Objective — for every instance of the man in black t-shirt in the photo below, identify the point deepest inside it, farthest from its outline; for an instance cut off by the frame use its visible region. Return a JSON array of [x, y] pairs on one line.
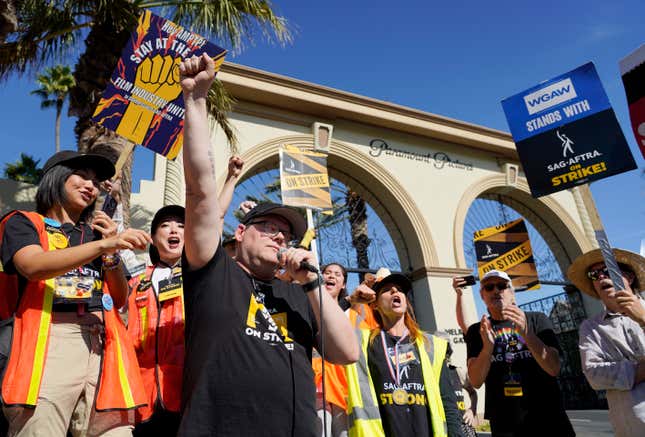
[[517, 355], [249, 336]]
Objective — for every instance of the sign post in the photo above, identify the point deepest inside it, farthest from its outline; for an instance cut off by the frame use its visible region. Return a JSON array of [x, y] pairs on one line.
[[601, 238]]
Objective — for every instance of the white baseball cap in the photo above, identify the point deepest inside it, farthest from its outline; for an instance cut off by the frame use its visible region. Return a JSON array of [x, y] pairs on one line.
[[496, 274]]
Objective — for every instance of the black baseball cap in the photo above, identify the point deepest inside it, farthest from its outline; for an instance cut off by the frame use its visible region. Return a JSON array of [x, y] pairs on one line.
[[165, 212], [291, 215], [101, 165]]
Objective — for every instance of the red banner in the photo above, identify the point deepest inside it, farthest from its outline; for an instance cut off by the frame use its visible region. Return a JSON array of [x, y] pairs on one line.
[[632, 70]]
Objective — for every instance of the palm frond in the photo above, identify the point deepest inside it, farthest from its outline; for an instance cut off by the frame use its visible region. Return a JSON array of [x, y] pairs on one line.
[[219, 104], [232, 22]]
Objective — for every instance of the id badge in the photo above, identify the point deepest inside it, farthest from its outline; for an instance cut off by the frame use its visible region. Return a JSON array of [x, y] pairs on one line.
[[170, 288], [73, 288], [141, 296], [513, 385]]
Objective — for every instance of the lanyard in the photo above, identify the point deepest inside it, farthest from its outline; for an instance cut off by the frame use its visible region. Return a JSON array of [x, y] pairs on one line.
[[273, 327], [396, 376]]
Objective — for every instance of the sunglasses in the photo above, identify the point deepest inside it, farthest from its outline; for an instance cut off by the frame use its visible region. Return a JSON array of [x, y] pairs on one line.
[[596, 274], [500, 286]]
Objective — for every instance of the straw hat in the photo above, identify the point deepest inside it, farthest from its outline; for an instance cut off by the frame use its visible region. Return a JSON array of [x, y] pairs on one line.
[[577, 272]]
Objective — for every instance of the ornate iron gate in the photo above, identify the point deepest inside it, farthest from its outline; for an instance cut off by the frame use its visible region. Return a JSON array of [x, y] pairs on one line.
[[566, 312]]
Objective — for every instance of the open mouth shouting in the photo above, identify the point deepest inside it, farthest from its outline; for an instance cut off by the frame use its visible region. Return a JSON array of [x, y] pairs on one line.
[[174, 243], [330, 283], [397, 301]]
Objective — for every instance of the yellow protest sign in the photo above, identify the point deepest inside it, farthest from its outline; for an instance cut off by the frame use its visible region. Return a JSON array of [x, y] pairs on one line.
[[507, 248], [304, 179]]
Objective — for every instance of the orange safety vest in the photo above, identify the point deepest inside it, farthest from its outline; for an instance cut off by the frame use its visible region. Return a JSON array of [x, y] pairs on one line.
[[8, 283], [120, 384], [156, 327], [360, 317], [335, 381]]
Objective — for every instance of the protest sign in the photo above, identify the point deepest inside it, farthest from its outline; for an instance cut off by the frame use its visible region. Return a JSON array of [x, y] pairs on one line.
[[507, 248], [143, 100], [632, 70], [304, 179], [566, 133]]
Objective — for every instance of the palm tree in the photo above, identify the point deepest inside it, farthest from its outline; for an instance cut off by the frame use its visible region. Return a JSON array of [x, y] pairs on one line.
[[50, 30], [357, 211], [54, 88], [24, 169]]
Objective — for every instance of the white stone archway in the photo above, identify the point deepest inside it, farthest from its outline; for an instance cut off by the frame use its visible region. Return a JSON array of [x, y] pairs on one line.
[[418, 170]]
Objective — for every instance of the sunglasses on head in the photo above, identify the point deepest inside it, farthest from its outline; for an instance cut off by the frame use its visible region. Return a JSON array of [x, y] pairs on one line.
[[501, 286]]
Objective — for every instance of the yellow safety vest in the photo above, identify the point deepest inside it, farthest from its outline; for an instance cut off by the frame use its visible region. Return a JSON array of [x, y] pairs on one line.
[[362, 406]]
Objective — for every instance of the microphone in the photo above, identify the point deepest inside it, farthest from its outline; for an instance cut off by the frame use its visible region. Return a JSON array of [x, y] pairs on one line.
[[304, 265]]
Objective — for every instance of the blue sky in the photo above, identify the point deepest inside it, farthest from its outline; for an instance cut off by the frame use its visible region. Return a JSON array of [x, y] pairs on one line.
[[458, 60]]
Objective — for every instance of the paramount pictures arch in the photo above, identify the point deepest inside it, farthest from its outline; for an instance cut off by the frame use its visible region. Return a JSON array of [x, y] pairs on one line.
[[419, 171]]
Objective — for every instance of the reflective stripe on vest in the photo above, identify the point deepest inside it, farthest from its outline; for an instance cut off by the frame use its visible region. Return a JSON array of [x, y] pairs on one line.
[[120, 385], [432, 360], [156, 329], [41, 343], [364, 419]]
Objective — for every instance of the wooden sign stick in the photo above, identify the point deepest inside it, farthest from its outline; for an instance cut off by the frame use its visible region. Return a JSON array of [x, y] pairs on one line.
[[601, 238]]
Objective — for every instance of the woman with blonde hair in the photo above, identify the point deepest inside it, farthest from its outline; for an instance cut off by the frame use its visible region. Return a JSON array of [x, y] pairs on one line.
[[403, 370]]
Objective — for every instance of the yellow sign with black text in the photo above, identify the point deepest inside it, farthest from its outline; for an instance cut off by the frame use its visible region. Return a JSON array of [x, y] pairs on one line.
[[507, 248], [304, 179]]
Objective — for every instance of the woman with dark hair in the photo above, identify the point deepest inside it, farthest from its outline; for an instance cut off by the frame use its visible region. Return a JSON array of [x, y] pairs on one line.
[[156, 325], [355, 307], [71, 365], [335, 283], [399, 386]]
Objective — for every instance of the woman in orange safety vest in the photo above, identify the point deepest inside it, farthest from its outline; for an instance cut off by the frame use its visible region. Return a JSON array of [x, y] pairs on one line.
[[156, 325], [335, 283], [71, 366]]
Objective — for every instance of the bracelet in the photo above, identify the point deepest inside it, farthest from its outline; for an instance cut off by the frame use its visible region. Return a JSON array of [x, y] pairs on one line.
[[310, 286], [111, 262]]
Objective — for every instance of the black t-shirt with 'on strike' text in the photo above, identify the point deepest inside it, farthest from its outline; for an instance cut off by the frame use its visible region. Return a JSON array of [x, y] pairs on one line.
[[239, 378]]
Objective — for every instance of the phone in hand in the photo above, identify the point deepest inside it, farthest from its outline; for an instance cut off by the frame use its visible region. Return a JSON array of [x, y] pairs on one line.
[[469, 280], [109, 205]]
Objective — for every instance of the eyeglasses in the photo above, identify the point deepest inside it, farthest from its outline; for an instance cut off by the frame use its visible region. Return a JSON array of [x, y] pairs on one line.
[[501, 286], [272, 230], [595, 274]]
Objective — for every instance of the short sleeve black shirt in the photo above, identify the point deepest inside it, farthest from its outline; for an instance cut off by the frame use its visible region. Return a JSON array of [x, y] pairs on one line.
[[412, 418], [239, 378], [539, 411], [20, 232]]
